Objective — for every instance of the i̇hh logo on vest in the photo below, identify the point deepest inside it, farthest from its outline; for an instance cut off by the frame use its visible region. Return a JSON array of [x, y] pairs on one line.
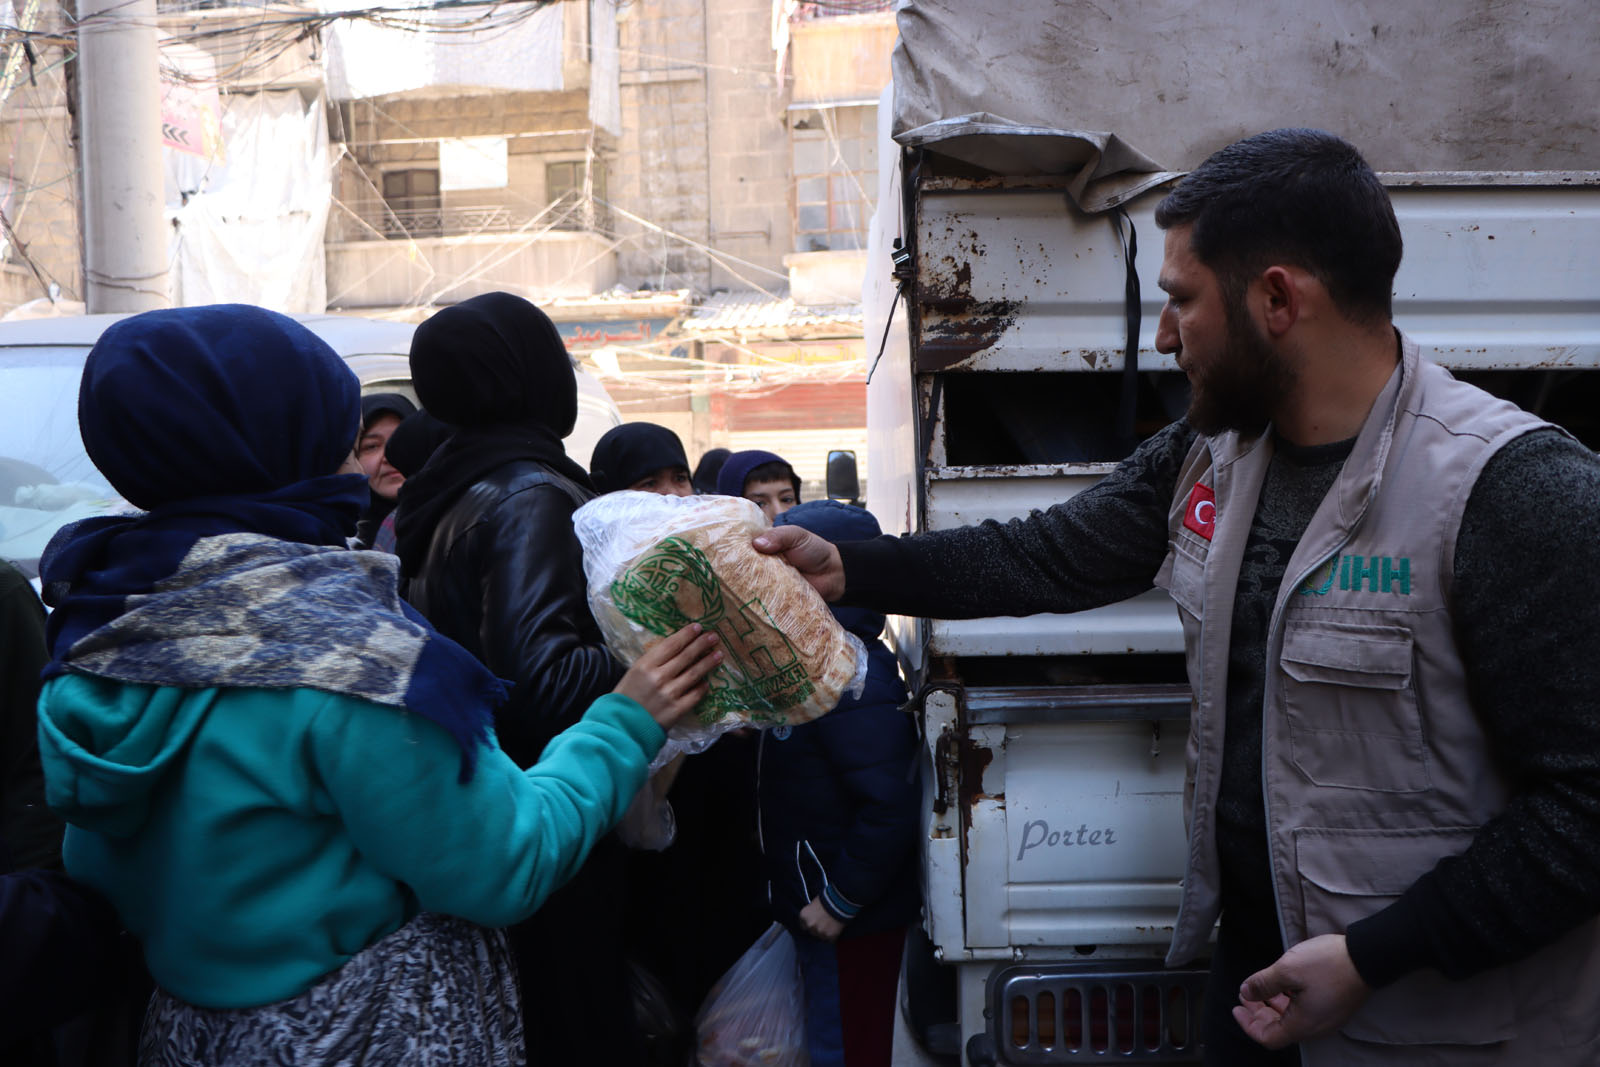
[[1378, 574]]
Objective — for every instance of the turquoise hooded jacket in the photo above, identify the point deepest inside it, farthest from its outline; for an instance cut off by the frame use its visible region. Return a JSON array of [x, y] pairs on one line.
[[255, 839]]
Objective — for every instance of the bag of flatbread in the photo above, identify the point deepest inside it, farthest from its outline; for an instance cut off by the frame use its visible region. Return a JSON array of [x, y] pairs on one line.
[[655, 563]]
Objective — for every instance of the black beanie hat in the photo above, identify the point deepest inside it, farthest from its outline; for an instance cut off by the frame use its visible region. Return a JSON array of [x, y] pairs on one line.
[[495, 359]]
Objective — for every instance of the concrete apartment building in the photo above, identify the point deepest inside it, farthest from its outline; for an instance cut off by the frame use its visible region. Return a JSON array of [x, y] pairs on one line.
[[689, 202], [454, 178], [749, 130], [683, 184]]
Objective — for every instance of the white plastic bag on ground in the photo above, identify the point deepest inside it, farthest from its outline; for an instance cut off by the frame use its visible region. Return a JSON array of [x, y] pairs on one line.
[[656, 563], [754, 1016]]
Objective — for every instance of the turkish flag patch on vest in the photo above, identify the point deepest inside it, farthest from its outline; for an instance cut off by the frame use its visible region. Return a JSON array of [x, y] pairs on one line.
[[1201, 514]]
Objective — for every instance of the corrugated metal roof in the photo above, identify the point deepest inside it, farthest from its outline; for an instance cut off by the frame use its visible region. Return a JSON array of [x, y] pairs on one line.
[[647, 302], [749, 315]]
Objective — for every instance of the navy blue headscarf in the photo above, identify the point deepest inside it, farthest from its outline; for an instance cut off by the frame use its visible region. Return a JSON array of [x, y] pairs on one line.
[[737, 467], [232, 420]]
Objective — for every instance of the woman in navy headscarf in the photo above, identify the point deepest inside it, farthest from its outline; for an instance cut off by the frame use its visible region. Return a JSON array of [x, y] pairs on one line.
[[281, 777]]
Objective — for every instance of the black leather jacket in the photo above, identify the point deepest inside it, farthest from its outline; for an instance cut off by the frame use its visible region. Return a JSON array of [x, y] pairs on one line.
[[504, 578]]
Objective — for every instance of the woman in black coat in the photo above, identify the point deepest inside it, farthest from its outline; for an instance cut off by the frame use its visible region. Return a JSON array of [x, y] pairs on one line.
[[484, 534]]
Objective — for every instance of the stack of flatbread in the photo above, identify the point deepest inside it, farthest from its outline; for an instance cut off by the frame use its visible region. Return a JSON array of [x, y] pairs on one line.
[[656, 563]]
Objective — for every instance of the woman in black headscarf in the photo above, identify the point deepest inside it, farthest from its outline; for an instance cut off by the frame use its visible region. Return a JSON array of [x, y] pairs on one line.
[[484, 530], [485, 535], [414, 441], [642, 456], [706, 471]]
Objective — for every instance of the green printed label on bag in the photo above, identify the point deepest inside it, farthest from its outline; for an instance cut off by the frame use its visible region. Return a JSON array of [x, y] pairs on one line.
[[673, 585], [653, 591]]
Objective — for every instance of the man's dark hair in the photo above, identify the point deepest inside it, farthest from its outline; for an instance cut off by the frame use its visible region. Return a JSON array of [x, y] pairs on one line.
[[778, 471], [1300, 197]]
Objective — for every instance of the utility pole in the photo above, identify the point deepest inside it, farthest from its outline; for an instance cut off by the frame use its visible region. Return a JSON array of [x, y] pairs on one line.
[[125, 237]]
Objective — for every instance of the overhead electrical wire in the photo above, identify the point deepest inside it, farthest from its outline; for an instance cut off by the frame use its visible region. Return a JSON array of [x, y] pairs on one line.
[[292, 27], [276, 30]]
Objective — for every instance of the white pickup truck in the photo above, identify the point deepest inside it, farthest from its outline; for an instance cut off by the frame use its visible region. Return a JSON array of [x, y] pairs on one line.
[[1017, 367]]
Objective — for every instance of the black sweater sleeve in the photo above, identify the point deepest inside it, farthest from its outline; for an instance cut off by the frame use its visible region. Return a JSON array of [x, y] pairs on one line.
[[1103, 545], [1527, 611]]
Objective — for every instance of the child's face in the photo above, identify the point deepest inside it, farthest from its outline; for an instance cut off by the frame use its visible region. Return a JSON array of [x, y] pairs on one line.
[[773, 498], [668, 481]]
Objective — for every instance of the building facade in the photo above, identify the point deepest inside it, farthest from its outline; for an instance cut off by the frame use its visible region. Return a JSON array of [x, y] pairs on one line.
[[684, 184]]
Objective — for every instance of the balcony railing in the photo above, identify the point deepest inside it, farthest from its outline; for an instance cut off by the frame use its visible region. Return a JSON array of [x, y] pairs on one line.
[[811, 10], [371, 219], [445, 221]]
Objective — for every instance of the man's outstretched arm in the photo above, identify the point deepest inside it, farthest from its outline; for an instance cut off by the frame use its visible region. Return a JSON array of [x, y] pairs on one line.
[[1101, 546]]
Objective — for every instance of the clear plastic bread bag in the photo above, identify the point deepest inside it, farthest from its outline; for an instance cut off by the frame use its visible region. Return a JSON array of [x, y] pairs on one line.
[[656, 563], [754, 1016]]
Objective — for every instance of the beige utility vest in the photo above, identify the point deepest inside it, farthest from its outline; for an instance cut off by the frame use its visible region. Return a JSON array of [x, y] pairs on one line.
[[1374, 766]]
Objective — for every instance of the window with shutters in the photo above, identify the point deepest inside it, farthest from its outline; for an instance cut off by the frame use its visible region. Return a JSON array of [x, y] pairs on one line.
[[834, 173], [564, 188], [411, 198]]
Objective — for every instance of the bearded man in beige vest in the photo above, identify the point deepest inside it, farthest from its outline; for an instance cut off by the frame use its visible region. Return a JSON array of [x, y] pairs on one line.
[[1394, 758]]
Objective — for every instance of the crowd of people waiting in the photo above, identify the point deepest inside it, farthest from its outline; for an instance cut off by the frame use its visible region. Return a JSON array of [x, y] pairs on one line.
[[325, 806]]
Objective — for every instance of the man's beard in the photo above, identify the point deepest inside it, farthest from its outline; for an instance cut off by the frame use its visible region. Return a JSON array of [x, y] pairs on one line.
[[1240, 389]]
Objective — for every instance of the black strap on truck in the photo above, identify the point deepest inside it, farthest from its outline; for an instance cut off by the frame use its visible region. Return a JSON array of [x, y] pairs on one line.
[[1128, 406]]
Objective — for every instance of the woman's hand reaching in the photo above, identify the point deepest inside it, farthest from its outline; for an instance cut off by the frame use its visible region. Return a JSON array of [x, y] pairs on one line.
[[670, 678]]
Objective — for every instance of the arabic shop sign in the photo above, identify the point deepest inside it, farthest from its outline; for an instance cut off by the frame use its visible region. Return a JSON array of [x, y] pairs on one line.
[[190, 104], [581, 336]]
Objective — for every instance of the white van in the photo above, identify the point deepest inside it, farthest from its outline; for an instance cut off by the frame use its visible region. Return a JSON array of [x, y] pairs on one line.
[[46, 479]]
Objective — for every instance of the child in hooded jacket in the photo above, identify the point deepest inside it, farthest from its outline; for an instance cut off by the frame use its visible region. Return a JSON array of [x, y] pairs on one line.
[[839, 800]]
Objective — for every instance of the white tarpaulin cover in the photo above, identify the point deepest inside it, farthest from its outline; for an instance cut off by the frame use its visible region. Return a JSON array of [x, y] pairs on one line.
[[363, 59], [473, 163], [1416, 85], [249, 225], [1105, 172]]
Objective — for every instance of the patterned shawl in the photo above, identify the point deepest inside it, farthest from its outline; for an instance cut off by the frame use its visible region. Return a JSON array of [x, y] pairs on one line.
[[224, 422]]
